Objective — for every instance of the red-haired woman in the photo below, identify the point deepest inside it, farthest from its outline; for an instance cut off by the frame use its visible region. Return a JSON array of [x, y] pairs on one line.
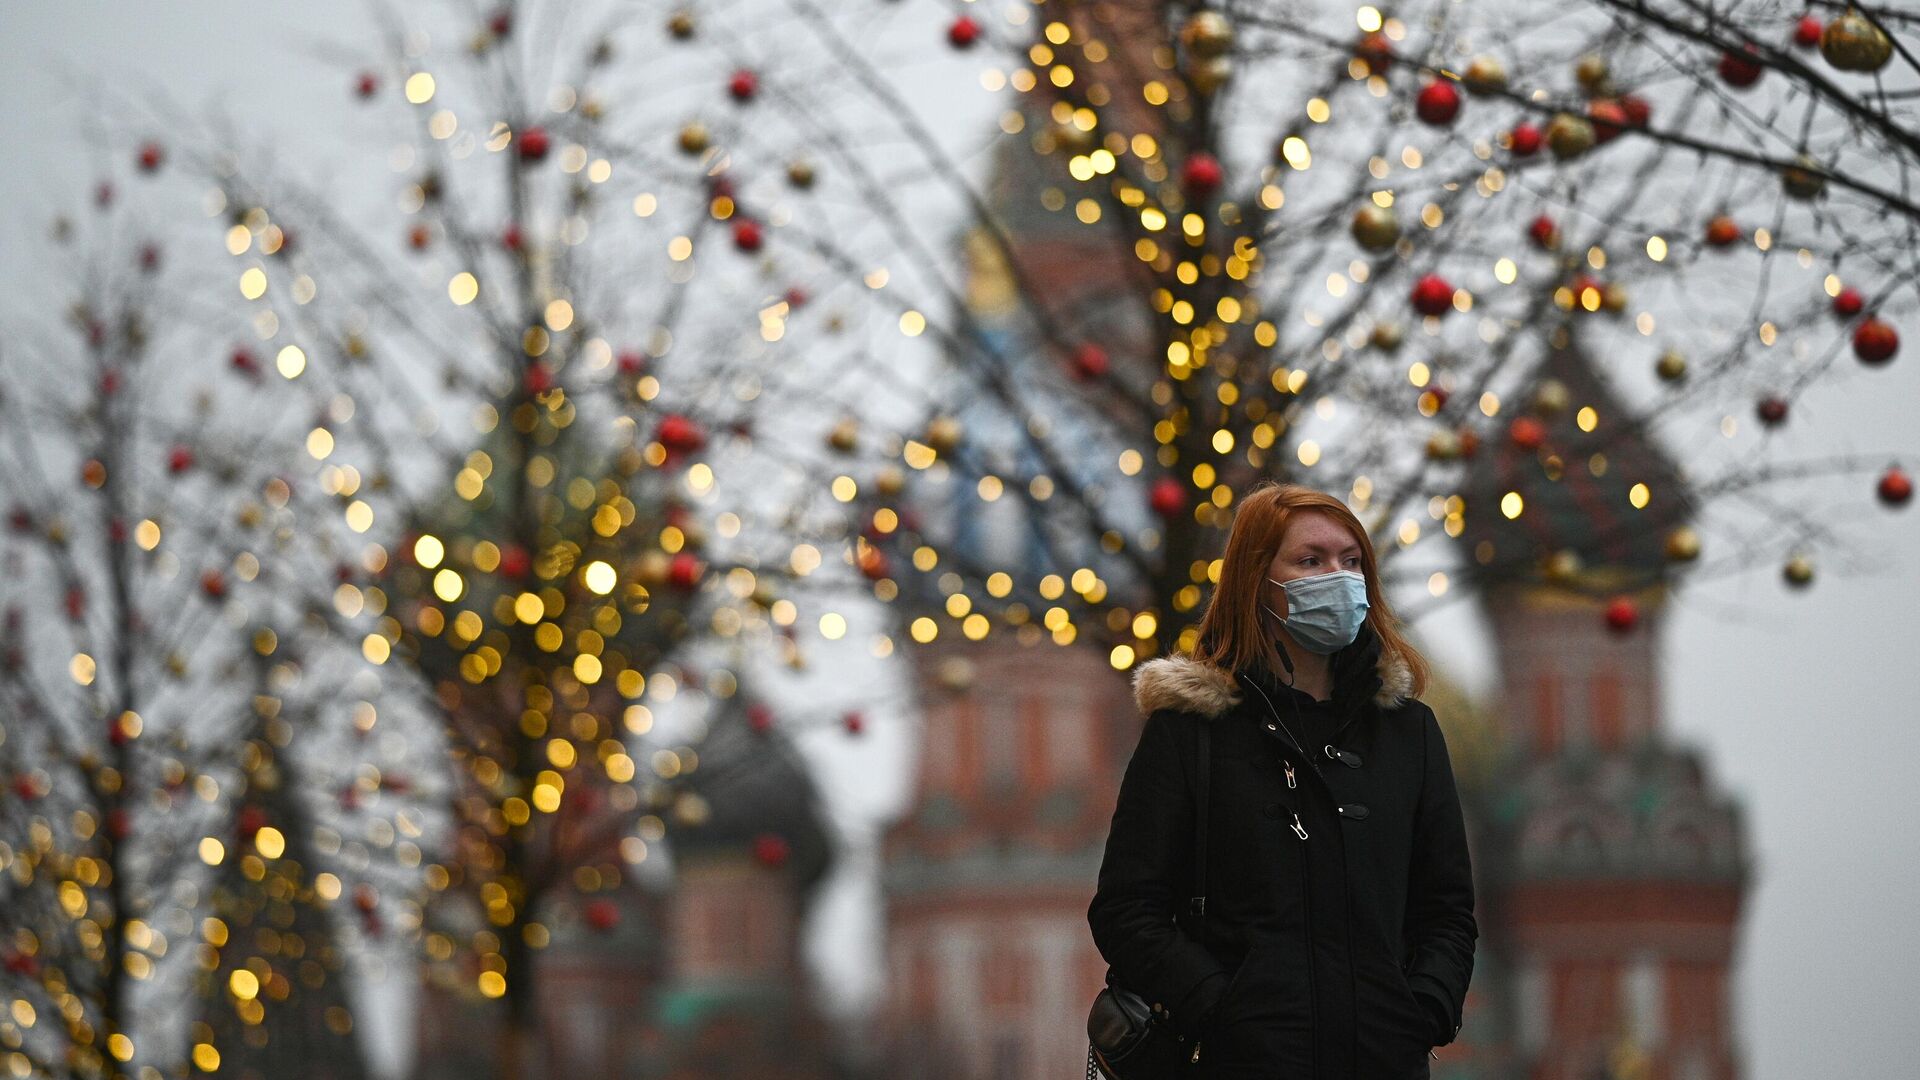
[[1338, 930]]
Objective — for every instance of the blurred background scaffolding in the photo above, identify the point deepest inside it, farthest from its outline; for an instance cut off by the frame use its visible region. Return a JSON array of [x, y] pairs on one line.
[[608, 539]]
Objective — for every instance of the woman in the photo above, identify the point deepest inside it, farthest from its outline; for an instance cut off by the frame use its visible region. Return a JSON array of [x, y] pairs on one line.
[[1338, 932]]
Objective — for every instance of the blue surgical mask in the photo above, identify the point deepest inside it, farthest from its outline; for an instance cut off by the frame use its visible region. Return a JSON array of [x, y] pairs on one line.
[[1324, 611]]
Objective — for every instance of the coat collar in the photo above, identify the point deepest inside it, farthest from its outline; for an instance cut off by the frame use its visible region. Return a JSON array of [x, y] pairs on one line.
[[1184, 684]]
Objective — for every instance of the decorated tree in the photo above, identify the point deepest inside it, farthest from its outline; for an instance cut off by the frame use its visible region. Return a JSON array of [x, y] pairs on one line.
[[1216, 244], [153, 540], [542, 435]]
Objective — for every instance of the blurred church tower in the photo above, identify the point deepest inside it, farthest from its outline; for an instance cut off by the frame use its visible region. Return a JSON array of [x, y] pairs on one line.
[[1613, 871]]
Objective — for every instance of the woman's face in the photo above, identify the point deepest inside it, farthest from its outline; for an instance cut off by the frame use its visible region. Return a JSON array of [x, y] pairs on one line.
[[1314, 544]]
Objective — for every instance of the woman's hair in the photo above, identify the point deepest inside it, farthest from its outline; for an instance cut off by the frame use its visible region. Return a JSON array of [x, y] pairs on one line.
[[1231, 635]]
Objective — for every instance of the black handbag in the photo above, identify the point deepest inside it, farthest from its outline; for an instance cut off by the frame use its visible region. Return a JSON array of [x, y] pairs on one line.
[[1127, 1038]]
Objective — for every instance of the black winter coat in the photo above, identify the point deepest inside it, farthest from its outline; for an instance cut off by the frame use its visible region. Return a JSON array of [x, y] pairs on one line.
[[1341, 956]]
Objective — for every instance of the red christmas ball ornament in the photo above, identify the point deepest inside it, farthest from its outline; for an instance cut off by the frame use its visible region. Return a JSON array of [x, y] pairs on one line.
[[747, 235], [854, 722], [1169, 496], [1848, 303], [534, 144], [149, 257], [679, 434], [251, 820], [512, 238], [103, 194], [963, 32], [1609, 118], [19, 963], [1772, 411], [1524, 140], [1741, 69], [632, 362], [366, 85], [1621, 615], [743, 85], [1722, 232], [1089, 362], [1438, 103], [796, 297], [1638, 110], [1527, 433], [1806, 32], [1544, 232], [119, 731], [770, 849], [26, 787], [514, 561], [213, 584], [419, 237], [602, 914], [119, 824], [684, 572], [150, 156], [1202, 175], [539, 378], [76, 603], [1895, 487], [179, 459], [1377, 50], [1875, 341], [873, 563], [760, 717], [501, 24], [1432, 295], [365, 897], [244, 362]]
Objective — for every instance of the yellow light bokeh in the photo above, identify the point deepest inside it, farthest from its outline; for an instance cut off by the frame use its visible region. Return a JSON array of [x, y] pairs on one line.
[[598, 576]]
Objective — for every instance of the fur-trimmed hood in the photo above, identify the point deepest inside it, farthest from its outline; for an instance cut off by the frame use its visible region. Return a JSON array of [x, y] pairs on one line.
[[1189, 685]]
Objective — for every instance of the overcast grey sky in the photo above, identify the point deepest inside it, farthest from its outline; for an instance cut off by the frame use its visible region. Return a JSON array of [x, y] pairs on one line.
[[1805, 701]]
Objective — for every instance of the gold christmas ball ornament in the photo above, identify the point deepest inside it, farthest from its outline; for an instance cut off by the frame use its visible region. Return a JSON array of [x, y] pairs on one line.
[[1387, 336], [652, 568], [1375, 228], [1853, 42], [693, 138], [943, 434], [1563, 566], [844, 436], [1068, 136], [1613, 297], [1552, 398], [680, 25], [800, 174], [592, 108], [890, 481], [1804, 179], [1485, 73], [1443, 446], [1683, 544], [1798, 571], [956, 673], [1672, 366], [1593, 73], [1207, 34], [1209, 75], [1569, 135]]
